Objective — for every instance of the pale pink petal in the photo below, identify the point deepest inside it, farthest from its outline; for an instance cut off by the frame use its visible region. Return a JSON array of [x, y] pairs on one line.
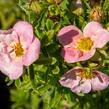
[[87, 55], [70, 78], [32, 53], [96, 32], [5, 36], [15, 37], [12, 69], [83, 87], [67, 34], [100, 81], [101, 38], [72, 55], [8, 39], [6, 31], [91, 29], [2, 36], [25, 32]]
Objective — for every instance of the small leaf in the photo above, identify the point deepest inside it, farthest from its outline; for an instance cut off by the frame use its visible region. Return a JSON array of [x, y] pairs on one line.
[[56, 70], [49, 24], [55, 99], [64, 5], [18, 83], [43, 88], [54, 10]]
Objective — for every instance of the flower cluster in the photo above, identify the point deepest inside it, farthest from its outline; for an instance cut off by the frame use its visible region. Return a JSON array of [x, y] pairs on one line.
[[81, 46], [18, 47]]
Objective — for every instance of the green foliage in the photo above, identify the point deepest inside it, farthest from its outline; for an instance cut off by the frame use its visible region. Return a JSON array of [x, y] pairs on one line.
[[9, 13], [106, 5], [38, 88]]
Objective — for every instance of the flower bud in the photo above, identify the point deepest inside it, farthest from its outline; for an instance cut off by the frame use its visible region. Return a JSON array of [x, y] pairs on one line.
[[78, 6], [96, 14]]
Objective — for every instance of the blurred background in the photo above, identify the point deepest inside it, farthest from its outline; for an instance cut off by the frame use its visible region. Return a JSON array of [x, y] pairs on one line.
[[9, 13]]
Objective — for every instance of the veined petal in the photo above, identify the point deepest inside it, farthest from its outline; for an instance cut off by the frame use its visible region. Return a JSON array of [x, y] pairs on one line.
[[100, 81], [91, 29], [96, 32], [101, 38], [6, 36], [87, 55], [72, 55], [32, 53], [12, 69], [24, 31], [83, 87], [70, 78], [66, 34]]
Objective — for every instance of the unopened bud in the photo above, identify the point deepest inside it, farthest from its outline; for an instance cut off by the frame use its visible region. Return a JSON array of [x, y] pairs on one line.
[[96, 14], [78, 6]]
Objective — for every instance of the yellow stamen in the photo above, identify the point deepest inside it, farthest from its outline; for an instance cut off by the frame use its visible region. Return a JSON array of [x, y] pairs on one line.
[[19, 51], [84, 44], [86, 75]]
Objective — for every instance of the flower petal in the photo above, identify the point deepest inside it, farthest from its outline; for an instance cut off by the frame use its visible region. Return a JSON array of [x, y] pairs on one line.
[[83, 87], [100, 82], [12, 69], [32, 53], [72, 55], [6, 36], [25, 32], [67, 34], [87, 55], [91, 29], [96, 32], [101, 38], [70, 79]]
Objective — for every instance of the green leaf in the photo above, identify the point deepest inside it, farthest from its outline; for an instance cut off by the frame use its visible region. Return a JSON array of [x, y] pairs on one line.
[[48, 39], [64, 5], [18, 83], [57, 26], [35, 6], [55, 99], [53, 10], [50, 34], [46, 61], [24, 5], [39, 32], [49, 24], [43, 88], [56, 70]]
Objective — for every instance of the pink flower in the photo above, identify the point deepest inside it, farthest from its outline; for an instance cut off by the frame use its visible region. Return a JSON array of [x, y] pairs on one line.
[[80, 81], [18, 47], [78, 46]]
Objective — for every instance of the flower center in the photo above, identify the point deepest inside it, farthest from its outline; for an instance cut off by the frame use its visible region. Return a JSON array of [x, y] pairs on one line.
[[19, 51], [84, 44], [86, 75]]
